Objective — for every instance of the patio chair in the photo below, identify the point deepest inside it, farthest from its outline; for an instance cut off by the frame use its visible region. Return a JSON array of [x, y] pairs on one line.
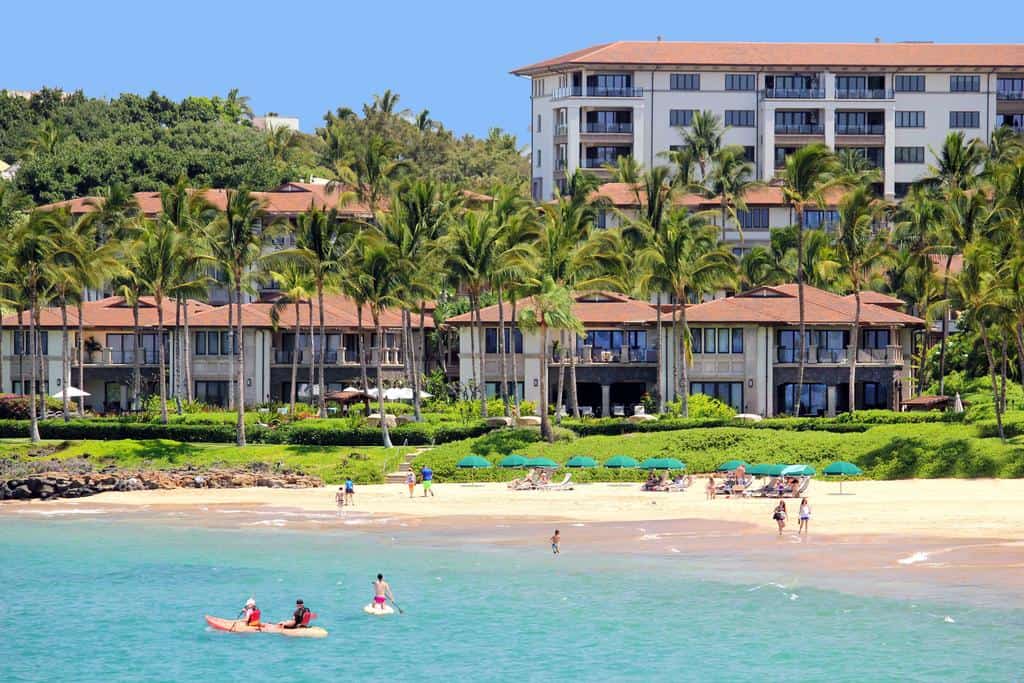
[[587, 411], [563, 485], [639, 409], [619, 410]]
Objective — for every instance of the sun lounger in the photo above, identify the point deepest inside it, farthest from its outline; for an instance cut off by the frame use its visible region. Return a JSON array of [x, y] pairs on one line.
[[587, 411], [619, 411], [563, 485]]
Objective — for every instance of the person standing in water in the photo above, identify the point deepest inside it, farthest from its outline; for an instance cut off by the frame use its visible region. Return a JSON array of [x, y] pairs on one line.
[[410, 480], [780, 515], [555, 541], [805, 516], [381, 592]]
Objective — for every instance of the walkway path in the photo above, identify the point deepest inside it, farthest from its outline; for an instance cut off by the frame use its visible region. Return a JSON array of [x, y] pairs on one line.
[[406, 465]]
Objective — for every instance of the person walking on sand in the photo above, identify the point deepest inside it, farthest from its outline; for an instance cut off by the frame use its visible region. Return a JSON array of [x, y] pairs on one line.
[[427, 475], [555, 540], [381, 592], [710, 489], [350, 491], [780, 515], [805, 516], [410, 481]]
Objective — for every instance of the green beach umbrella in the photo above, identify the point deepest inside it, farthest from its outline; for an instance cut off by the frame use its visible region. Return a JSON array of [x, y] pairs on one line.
[[798, 471], [473, 462], [766, 470], [513, 460], [620, 462], [842, 468], [662, 464], [733, 465], [581, 461], [541, 461]]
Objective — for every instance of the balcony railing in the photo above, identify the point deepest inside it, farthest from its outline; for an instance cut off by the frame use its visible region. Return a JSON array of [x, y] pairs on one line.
[[1010, 94], [561, 130], [799, 129], [861, 129], [794, 93], [609, 356], [562, 93], [560, 164], [890, 355], [864, 94], [825, 355], [602, 127], [598, 164]]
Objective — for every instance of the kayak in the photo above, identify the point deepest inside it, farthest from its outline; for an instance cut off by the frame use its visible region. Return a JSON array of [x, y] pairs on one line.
[[239, 626], [378, 611]]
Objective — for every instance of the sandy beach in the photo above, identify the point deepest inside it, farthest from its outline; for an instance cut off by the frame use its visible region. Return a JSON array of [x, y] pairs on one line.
[[937, 508]]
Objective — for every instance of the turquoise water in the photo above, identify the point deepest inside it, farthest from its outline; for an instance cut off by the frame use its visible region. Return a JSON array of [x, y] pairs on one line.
[[110, 600]]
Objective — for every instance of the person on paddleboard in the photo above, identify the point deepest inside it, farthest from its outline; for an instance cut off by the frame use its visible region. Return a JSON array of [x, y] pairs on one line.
[[300, 618], [251, 613], [381, 592]]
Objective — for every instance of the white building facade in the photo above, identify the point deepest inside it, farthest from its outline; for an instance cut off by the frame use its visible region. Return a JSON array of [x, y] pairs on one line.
[[893, 102]]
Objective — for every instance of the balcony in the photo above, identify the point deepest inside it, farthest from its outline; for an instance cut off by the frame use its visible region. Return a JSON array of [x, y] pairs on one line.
[[560, 164], [598, 164], [799, 129], [108, 356], [1010, 95], [608, 127], [861, 129], [590, 356], [794, 93], [889, 355], [561, 130], [563, 93], [864, 94]]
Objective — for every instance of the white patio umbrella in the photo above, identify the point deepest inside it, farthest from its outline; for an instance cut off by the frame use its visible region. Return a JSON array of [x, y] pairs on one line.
[[398, 394], [958, 404], [73, 392]]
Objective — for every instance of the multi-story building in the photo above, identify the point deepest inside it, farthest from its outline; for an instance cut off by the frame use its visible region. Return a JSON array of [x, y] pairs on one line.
[[745, 352], [110, 350], [893, 102]]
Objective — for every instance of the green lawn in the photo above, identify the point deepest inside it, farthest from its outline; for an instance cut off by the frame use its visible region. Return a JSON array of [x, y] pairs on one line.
[[365, 464]]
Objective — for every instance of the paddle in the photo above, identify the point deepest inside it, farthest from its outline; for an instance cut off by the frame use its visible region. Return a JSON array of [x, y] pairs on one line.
[[235, 622], [400, 610]]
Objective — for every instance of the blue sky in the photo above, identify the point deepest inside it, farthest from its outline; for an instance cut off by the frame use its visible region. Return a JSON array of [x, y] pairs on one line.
[[303, 58]]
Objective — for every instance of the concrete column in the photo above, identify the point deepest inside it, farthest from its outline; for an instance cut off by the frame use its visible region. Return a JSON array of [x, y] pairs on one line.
[[830, 409], [606, 404], [828, 113], [828, 81], [572, 156], [639, 140], [889, 181], [768, 143]]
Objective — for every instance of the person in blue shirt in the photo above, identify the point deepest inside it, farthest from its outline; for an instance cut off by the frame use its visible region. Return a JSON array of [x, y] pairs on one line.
[[350, 491], [428, 480]]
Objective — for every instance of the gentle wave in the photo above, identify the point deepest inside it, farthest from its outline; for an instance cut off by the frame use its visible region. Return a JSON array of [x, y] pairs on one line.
[[55, 513], [915, 558]]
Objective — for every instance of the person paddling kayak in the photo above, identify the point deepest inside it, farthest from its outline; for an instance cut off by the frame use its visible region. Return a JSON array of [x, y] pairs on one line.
[[300, 618], [381, 592], [251, 613]]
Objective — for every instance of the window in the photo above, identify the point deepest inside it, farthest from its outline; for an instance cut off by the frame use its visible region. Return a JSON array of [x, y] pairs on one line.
[[122, 348], [910, 119], [1010, 88], [739, 81], [1015, 121], [730, 393], [813, 399], [537, 154], [491, 340], [697, 340], [740, 252], [537, 189], [740, 118], [902, 189], [596, 157], [788, 342], [737, 340], [684, 82], [23, 343], [908, 83], [798, 123], [709, 340], [212, 393], [821, 218], [538, 123], [859, 123], [492, 389], [218, 343], [723, 340], [17, 386], [874, 339], [754, 218], [964, 119], [748, 153], [538, 87], [873, 395], [910, 155], [680, 117], [610, 85], [601, 220], [717, 340], [964, 83], [613, 121]]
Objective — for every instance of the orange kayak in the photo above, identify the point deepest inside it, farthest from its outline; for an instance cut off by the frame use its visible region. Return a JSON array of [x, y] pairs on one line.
[[239, 626]]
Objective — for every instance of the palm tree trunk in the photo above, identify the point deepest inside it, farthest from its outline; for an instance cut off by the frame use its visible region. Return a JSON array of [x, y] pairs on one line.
[[945, 327], [161, 359], [854, 339], [24, 348], [43, 374], [561, 378], [684, 374], [483, 365], [992, 377], [802, 360], [380, 380], [423, 338], [515, 374], [574, 402], [321, 403], [240, 365], [136, 360], [661, 357], [295, 359], [1002, 386], [176, 375], [677, 382], [502, 354], [545, 420], [362, 357], [187, 352], [33, 431], [65, 359], [414, 371], [312, 354], [231, 351]]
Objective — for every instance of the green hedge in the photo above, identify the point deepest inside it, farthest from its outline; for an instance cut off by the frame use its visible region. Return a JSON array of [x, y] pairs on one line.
[[616, 426]]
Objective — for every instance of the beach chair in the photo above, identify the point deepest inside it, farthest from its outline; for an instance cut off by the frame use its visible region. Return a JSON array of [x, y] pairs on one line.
[[639, 409], [587, 411], [563, 485], [619, 410]]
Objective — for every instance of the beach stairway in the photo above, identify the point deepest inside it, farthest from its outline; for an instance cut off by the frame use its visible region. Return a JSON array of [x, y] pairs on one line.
[[404, 467]]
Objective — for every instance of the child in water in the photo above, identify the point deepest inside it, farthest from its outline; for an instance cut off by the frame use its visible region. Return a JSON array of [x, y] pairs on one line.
[[555, 540]]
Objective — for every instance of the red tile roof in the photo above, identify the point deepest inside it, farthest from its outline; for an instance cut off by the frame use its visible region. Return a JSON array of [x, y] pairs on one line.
[[607, 309], [111, 312], [788, 55], [878, 299], [624, 195], [955, 266], [778, 305]]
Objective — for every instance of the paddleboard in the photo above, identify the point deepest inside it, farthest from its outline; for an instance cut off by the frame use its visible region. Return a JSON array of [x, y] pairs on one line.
[[239, 626], [378, 611]]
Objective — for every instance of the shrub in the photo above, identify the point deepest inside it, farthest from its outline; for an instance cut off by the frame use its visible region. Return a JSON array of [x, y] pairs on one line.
[[702, 406]]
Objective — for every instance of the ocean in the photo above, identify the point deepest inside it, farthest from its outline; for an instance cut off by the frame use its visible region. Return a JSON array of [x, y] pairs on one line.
[[108, 598]]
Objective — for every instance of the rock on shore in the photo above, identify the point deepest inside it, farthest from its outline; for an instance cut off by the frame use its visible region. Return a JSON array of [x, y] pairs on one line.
[[48, 485]]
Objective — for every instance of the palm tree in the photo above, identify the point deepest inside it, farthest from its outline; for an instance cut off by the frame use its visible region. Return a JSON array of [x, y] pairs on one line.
[[808, 173], [626, 169], [550, 309], [63, 271], [297, 285], [861, 254], [957, 162], [686, 257], [237, 238], [370, 170], [703, 138], [730, 180]]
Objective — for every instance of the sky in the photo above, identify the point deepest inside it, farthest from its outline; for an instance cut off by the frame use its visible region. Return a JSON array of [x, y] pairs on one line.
[[302, 58]]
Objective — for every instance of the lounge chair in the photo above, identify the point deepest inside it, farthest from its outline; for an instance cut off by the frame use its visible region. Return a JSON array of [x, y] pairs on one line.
[[563, 485], [587, 411], [619, 411]]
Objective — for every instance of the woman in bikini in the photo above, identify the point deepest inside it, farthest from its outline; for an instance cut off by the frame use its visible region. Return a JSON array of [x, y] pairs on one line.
[[780, 515]]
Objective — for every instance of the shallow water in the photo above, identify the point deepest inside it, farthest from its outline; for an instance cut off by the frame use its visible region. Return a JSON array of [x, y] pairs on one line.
[[98, 598]]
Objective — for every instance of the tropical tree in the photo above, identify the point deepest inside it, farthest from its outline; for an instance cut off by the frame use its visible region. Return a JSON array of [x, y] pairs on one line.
[[809, 172], [862, 255], [703, 139], [63, 271], [237, 238], [731, 178], [297, 285], [957, 162]]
